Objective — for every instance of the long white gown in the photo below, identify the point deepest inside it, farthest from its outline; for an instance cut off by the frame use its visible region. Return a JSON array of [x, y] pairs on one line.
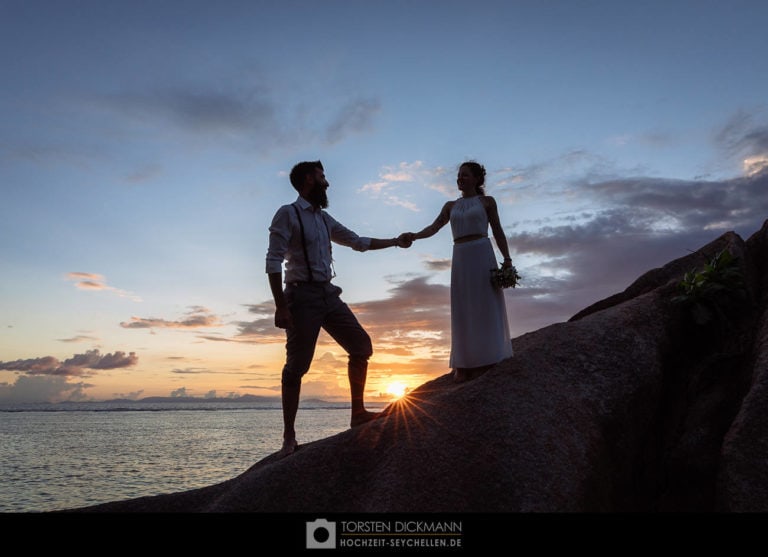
[[479, 325]]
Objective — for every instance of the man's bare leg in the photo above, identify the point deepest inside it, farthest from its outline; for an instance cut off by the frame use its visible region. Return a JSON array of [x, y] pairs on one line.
[[290, 408], [357, 371]]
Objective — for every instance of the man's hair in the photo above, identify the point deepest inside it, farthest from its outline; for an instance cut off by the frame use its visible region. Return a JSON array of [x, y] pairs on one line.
[[300, 171]]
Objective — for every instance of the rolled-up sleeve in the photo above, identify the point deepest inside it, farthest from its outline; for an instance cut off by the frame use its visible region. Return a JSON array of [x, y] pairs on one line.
[[344, 236], [279, 235]]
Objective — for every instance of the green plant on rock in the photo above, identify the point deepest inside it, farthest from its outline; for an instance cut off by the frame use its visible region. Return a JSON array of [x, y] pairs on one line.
[[707, 290]]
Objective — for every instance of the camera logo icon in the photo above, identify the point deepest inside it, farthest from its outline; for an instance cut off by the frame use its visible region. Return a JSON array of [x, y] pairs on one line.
[[321, 534]]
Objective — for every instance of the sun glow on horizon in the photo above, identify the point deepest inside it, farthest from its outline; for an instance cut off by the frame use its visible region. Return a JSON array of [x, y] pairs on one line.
[[397, 389]]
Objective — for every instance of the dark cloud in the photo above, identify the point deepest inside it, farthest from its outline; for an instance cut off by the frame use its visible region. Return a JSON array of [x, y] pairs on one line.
[[198, 317], [263, 328], [691, 205], [438, 264], [743, 134], [132, 395], [78, 338], [32, 365], [36, 388], [413, 304], [113, 361], [260, 327], [199, 110], [191, 371], [144, 174], [588, 256], [579, 265], [215, 338], [352, 118], [254, 115], [77, 365], [757, 140], [648, 223], [414, 316]]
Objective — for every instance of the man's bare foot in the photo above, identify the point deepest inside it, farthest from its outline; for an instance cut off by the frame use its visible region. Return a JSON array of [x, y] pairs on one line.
[[289, 447], [365, 416]]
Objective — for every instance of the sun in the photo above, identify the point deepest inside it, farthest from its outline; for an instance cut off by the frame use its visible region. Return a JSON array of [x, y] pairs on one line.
[[397, 389]]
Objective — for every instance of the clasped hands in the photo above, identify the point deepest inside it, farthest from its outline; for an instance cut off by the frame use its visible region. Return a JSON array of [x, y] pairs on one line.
[[405, 239]]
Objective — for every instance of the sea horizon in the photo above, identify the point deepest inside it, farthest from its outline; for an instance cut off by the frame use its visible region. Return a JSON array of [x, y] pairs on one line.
[[244, 401]]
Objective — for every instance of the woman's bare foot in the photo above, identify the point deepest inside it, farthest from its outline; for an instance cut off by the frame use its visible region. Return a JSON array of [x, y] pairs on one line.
[[460, 375], [359, 418]]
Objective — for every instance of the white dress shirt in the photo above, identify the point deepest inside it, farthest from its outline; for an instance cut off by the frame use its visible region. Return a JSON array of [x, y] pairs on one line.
[[285, 242]]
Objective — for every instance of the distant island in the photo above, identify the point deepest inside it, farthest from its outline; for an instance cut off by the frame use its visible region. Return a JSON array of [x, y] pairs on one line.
[[192, 399], [137, 402]]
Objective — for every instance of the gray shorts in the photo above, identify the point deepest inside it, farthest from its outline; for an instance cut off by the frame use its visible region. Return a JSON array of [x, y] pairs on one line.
[[316, 305]]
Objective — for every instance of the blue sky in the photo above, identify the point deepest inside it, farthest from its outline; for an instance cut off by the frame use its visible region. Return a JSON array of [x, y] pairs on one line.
[[144, 147]]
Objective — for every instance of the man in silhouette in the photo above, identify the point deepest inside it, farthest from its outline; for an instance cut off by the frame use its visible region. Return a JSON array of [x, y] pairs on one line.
[[301, 234]]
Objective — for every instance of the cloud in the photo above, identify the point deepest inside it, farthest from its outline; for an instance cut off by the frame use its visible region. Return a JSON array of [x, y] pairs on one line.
[[198, 110], [755, 164], [390, 178], [745, 136], [144, 173], [44, 365], [688, 204], [255, 114], [415, 316], [133, 395], [575, 265], [438, 264], [646, 223], [111, 361], [79, 338], [37, 388], [198, 317], [575, 260], [262, 329], [77, 365], [743, 132], [191, 371], [96, 282], [352, 118], [216, 339]]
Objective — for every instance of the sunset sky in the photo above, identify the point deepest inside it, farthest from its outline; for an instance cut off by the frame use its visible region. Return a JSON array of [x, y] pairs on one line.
[[145, 146]]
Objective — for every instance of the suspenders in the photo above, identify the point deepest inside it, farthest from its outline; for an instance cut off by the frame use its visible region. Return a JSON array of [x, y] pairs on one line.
[[304, 241]]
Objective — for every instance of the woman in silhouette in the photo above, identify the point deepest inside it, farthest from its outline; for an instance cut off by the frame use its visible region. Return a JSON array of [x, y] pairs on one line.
[[479, 327]]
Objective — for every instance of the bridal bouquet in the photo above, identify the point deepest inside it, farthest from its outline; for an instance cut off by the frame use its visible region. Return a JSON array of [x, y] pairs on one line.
[[505, 277]]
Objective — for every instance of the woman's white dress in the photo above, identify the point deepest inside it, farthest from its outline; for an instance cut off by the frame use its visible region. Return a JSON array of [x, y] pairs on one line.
[[479, 325]]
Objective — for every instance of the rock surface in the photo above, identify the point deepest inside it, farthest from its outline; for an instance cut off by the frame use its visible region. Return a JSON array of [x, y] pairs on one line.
[[628, 406]]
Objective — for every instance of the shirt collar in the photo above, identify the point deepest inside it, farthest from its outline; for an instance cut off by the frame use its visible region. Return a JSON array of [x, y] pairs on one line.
[[304, 204]]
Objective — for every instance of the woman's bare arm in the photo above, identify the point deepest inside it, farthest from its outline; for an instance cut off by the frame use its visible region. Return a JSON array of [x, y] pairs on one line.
[[498, 233], [441, 220]]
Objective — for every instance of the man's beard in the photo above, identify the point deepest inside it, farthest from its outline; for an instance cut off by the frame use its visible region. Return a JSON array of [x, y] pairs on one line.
[[318, 197]]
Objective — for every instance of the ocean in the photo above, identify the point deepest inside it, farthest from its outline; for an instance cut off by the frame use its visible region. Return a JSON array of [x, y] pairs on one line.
[[70, 455]]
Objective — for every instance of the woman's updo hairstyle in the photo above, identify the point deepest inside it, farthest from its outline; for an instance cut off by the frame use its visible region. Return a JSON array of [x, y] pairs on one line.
[[478, 171]]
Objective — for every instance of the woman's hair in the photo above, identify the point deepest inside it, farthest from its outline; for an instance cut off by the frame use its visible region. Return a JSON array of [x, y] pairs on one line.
[[478, 171], [300, 171]]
